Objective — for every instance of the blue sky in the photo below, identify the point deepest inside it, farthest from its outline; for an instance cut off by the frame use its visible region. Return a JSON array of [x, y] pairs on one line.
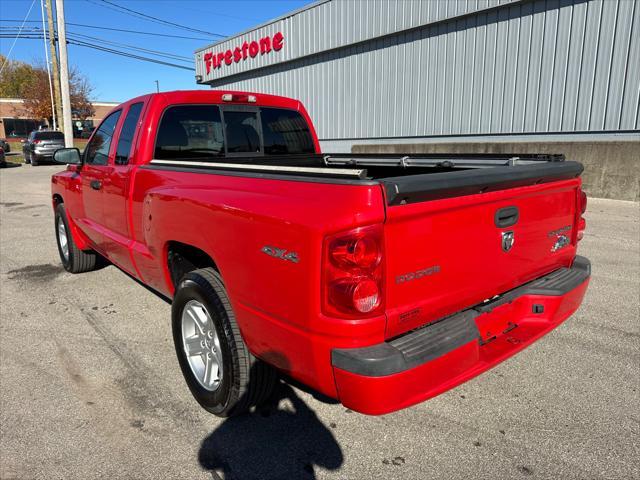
[[117, 78]]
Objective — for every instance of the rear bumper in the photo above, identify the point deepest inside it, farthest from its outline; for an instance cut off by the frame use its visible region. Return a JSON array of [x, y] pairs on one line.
[[428, 361]]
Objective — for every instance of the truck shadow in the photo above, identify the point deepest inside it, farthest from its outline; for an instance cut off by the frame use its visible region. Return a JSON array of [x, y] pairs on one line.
[[281, 440]]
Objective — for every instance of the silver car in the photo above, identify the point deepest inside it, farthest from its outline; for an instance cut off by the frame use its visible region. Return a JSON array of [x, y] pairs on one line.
[[40, 146]]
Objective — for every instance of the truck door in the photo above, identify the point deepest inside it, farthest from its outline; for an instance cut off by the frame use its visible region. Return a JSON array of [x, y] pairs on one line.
[[93, 172], [115, 190]]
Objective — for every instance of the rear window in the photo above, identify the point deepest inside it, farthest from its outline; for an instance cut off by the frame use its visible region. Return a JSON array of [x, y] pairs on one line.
[[204, 131], [285, 131], [190, 131], [242, 131], [49, 136]]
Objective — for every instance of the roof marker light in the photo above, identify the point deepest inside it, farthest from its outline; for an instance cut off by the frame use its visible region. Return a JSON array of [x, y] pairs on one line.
[[227, 97]]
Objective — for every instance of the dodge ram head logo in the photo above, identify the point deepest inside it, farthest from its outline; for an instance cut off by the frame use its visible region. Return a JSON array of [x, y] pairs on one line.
[[507, 240], [280, 253]]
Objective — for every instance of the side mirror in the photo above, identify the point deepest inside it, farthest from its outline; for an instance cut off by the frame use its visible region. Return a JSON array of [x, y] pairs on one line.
[[67, 156]]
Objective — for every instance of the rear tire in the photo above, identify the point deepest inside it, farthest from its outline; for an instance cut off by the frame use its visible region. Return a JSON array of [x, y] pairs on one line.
[[33, 160], [243, 381], [73, 259]]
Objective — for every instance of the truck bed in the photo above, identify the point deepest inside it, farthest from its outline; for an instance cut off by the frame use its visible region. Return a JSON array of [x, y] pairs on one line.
[[406, 178]]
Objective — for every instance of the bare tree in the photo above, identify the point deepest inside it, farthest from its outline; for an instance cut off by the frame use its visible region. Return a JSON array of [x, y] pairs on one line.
[[80, 92]]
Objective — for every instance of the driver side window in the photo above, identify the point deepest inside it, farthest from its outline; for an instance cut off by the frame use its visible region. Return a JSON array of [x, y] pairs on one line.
[[97, 150]]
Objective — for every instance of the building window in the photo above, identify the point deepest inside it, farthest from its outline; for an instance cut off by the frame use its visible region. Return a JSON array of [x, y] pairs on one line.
[[20, 127]]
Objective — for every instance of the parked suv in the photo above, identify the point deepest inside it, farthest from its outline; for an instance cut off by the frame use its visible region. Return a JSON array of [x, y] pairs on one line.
[[40, 146]]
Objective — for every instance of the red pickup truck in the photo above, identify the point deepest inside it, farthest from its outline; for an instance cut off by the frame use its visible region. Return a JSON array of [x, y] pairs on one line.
[[378, 280]]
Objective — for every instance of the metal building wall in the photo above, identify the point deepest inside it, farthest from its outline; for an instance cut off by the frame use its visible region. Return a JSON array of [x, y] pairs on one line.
[[522, 67]]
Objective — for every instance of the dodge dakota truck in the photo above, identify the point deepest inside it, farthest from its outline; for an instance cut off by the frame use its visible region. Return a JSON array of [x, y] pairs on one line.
[[377, 280]]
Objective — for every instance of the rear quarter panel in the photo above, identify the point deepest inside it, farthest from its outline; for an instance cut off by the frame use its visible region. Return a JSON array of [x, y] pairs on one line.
[[277, 302]]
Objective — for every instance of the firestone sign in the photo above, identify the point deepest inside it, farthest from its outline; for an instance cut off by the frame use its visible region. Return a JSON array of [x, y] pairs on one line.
[[263, 46]]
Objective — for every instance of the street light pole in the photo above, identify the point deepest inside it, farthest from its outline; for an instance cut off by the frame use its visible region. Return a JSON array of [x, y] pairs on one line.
[[64, 75]]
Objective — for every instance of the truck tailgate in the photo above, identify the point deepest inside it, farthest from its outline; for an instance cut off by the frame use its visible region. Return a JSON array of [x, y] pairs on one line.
[[445, 255]]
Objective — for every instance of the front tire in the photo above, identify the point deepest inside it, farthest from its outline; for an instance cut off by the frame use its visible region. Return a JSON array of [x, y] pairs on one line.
[[221, 373], [73, 259]]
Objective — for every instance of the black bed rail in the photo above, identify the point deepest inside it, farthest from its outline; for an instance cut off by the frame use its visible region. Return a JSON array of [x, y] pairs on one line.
[[440, 160]]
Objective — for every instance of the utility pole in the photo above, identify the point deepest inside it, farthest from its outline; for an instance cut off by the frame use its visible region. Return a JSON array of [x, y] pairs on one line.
[[46, 58], [54, 64], [157, 86], [64, 75]]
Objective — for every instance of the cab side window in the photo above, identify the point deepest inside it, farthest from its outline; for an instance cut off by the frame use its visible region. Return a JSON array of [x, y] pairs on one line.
[[126, 134], [97, 150]]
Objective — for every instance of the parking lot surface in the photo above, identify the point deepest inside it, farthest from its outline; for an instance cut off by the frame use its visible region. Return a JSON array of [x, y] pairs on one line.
[[90, 386]]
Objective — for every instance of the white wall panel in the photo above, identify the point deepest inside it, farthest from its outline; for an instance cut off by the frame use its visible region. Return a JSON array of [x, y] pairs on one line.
[[380, 69]]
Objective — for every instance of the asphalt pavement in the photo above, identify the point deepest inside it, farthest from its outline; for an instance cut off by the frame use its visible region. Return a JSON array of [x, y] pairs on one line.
[[90, 386]]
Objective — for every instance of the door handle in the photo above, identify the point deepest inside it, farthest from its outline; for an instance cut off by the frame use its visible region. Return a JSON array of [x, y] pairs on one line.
[[96, 184], [505, 217]]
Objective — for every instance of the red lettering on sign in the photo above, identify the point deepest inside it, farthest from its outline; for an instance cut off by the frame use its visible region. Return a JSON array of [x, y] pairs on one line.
[[263, 46], [278, 41], [254, 48]]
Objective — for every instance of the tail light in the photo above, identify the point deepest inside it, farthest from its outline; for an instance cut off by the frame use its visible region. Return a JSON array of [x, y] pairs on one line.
[[353, 273], [37, 141], [581, 223]]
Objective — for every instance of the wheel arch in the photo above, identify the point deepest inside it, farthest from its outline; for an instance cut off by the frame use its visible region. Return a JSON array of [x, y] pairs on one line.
[[182, 258]]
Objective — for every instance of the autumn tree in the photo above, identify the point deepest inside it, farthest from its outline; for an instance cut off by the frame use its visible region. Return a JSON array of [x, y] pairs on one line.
[[31, 83], [15, 77]]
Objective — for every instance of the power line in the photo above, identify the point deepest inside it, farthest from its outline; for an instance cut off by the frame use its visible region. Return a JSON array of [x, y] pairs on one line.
[[129, 11], [84, 38], [138, 32], [6, 60], [80, 43], [146, 50], [130, 55]]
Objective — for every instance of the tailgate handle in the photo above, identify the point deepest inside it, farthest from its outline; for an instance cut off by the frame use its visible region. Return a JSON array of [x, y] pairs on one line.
[[505, 217]]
